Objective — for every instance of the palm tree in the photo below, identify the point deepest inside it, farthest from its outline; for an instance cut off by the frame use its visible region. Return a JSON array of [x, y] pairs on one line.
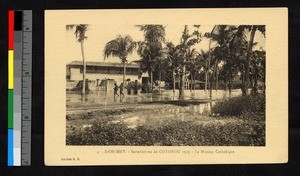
[[205, 56], [80, 30], [172, 60], [153, 33], [230, 50], [258, 71], [120, 47], [150, 48], [241, 36], [197, 65], [253, 29], [159, 64], [187, 40], [148, 55], [192, 63], [221, 35]]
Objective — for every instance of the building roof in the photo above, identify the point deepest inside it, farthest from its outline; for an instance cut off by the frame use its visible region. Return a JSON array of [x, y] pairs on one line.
[[103, 64]]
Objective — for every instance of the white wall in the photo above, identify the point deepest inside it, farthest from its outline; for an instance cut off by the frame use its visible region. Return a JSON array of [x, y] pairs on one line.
[[77, 76]]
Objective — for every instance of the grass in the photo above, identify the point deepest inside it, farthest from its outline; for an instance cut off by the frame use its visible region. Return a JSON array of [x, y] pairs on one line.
[[173, 133], [238, 106]]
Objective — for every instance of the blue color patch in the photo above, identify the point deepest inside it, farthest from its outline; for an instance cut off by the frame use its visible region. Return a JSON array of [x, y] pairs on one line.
[[10, 148]]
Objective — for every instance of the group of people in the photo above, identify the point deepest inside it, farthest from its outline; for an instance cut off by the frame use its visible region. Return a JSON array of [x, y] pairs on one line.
[[116, 87]]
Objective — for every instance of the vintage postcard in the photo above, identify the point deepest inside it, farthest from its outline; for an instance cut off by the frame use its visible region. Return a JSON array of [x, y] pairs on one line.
[[166, 86]]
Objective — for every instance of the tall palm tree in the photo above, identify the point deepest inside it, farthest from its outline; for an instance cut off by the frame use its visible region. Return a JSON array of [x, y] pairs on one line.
[[161, 61], [258, 67], [172, 60], [205, 57], [221, 35], [80, 30], [192, 63], [241, 42], [153, 33], [196, 64], [187, 41], [253, 29], [150, 48], [120, 47], [148, 63]]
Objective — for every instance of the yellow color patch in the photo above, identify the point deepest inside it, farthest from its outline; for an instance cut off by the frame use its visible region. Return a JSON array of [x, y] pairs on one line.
[[10, 69]]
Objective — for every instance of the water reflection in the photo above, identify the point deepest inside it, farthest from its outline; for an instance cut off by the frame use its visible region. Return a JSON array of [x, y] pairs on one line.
[[159, 117], [103, 97]]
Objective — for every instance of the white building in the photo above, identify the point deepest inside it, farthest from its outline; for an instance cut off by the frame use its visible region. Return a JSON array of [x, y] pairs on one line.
[[99, 71]]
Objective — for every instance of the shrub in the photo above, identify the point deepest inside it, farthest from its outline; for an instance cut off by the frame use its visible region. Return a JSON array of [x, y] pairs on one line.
[[237, 106], [146, 88], [133, 86], [172, 133]]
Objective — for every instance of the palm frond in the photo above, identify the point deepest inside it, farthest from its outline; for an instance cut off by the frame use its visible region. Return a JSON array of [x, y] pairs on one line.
[[80, 30], [153, 33], [111, 49], [70, 27], [119, 47]]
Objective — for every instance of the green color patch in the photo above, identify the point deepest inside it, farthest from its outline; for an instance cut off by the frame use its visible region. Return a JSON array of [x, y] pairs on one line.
[[10, 108]]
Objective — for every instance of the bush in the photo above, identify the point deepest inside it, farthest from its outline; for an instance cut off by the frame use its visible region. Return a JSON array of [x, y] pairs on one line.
[[133, 86], [237, 106], [146, 88], [172, 133]]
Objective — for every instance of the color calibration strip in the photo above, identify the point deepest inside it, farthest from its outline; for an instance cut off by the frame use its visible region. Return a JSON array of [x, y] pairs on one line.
[[19, 87]]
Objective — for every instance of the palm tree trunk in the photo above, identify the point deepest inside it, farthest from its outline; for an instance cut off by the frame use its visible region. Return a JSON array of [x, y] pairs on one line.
[[151, 80], [217, 79], [225, 82], [124, 73], [215, 73], [247, 64], [211, 82], [173, 80], [83, 72], [160, 82], [193, 85], [194, 81], [230, 81], [182, 84], [243, 79], [207, 83], [178, 79], [206, 75], [191, 82], [255, 87]]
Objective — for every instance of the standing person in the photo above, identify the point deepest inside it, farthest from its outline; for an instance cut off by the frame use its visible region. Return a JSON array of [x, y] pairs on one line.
[[121, 89], [116, 89], [136, 87]]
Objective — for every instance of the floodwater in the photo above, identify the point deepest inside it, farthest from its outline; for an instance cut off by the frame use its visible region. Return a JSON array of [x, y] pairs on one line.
[[195, 113], [156, 116], [106, 98]]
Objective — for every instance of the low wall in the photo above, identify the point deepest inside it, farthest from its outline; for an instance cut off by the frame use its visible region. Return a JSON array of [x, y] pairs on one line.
[[103, 85]]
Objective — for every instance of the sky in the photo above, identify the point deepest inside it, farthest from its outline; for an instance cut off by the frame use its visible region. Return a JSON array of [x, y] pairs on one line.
[[99, 34]]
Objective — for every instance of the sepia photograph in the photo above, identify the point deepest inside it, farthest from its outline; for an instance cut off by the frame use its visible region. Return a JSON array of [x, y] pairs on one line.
[[165, 85]]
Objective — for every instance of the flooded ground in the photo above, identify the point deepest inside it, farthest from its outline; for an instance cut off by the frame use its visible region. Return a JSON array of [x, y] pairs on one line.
[[157, 119], [149, 115], [160, 116], [143, 109], [103, 97]]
